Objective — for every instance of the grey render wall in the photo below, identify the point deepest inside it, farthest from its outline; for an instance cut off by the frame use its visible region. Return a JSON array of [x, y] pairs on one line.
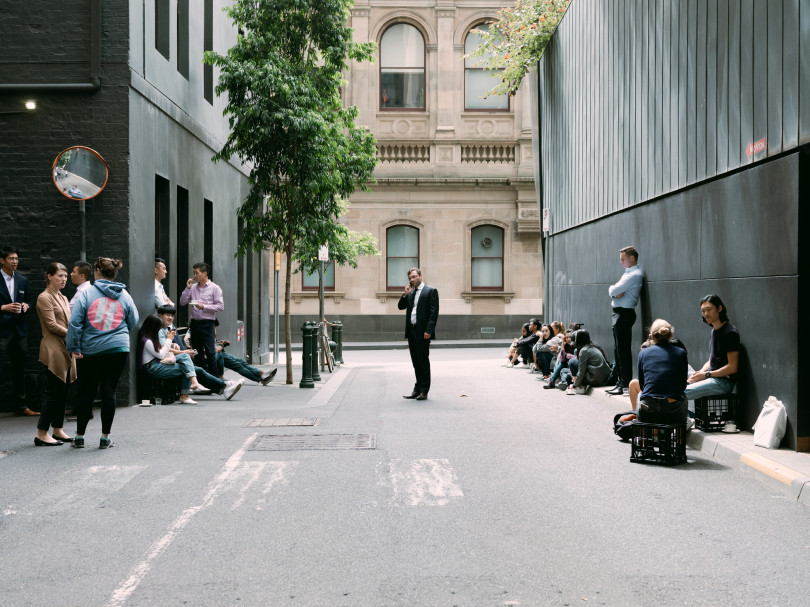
[[174, 133], [646, 110]]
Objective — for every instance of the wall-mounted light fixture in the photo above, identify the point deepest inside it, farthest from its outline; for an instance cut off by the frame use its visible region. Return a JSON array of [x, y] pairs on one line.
[[30, 108]]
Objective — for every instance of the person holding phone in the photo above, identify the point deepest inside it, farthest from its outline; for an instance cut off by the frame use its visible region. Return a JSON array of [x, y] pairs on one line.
[[13, 326], [206, 300]]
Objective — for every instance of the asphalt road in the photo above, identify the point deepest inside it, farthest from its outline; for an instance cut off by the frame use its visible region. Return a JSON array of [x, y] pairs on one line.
[[492, 492]]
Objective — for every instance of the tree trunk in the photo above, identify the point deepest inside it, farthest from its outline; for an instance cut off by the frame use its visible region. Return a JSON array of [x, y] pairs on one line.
[[287, 333]]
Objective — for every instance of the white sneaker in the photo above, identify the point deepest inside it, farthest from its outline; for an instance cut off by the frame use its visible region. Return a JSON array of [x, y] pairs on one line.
[[571, 390], [188, 401], [510, 366], [232, 388], [582, 390], [690, 423]]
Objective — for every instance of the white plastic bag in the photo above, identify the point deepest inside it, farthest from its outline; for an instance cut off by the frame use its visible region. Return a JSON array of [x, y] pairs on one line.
[[771, 424]]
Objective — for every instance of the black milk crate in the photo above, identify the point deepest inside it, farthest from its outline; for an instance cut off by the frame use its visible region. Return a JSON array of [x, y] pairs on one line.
[[149, 387], [712, 412], [658, 443]]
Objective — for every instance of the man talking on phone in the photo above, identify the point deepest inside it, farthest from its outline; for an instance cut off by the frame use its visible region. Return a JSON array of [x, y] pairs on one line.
[[13, 328], [422, 304], [206, 300]]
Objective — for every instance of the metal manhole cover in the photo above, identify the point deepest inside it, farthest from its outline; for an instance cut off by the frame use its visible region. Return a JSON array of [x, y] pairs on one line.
[[282, 421], [311, 442]]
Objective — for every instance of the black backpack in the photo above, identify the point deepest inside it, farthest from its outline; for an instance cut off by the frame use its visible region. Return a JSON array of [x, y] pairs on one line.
[[623, 429]]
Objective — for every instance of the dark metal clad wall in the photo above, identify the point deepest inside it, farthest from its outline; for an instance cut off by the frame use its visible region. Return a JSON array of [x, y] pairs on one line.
[[644, 97], [683, 127]]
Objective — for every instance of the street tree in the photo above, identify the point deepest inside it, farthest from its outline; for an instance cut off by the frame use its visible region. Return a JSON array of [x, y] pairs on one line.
[[287, 122], [512, 45]]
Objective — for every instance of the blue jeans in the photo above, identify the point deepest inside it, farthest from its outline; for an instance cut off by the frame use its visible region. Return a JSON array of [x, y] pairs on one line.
[[225, 360], [157, 369], [708, 387], [544, 362], [214, 384]]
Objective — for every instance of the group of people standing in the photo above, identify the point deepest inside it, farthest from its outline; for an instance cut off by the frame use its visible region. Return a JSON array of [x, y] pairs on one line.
[[88, 339]]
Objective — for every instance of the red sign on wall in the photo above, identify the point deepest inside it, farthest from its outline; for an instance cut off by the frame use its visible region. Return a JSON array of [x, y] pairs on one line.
[[755, 148]]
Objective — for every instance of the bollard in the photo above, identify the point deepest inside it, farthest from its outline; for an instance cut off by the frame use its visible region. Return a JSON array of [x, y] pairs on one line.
[[337, 336], [307, 329], [316, 351]]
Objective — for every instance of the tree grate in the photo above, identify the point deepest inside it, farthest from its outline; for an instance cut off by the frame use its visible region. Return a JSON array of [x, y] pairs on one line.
[[314, 442], [282, 421]]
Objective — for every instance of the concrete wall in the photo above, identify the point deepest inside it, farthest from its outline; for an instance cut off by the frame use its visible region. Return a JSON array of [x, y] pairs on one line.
[[706, 239]]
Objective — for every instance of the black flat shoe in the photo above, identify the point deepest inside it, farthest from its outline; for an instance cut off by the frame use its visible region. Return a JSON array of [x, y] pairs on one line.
[[41, 443], [67, 439], [414, 394], [615, 391]]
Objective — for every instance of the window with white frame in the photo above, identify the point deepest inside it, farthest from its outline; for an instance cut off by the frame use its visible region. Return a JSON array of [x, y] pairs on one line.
[[402, 68], [486, 263], [402, 254], [310, 281], [478, 80]]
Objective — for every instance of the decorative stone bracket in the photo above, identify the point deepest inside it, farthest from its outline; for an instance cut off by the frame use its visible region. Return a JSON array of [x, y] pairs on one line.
[[506, 295]]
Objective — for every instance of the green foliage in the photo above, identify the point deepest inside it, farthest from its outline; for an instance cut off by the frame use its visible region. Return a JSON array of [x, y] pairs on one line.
[[283, 79], [287, 121], [515, 42]]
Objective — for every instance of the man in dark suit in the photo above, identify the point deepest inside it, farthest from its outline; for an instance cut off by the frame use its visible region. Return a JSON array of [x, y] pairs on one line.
[[422, 304], [13, 328]]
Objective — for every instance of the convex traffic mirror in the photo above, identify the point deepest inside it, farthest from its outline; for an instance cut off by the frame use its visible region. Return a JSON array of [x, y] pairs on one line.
[[80, 173]]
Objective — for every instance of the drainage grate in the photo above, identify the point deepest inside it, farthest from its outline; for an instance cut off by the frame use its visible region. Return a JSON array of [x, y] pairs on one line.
[[282, 421], [301, 442]]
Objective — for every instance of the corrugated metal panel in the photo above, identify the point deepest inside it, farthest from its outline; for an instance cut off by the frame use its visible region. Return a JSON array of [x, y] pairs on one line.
[[711, 90], [804, 72], [723, 77], [644, 97], [790, 75]]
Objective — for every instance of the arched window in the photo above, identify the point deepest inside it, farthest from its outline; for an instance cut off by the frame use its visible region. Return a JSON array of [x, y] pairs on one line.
[[477, 80], [402, 253], [402, 68], [486, 261]]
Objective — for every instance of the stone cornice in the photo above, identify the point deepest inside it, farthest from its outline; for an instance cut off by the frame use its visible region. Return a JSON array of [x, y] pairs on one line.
[[452, 182]]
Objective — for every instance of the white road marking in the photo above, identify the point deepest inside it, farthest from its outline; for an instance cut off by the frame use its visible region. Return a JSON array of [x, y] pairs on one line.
[[248, 475], [128, 586], [423, 482], [328, 390]]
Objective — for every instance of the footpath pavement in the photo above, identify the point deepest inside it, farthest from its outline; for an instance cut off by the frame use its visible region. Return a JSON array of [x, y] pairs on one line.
[[784, 470]]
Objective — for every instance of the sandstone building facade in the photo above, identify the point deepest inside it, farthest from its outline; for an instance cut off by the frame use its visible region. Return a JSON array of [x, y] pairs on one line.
[[454, 191]]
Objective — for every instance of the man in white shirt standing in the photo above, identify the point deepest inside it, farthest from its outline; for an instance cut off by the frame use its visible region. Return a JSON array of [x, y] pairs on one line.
[[623, 299], [161, 299], [80, 276]]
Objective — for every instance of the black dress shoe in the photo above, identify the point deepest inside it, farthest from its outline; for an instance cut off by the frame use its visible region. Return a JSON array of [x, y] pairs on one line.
[[422, 396], [413, 394], [615, 391], [41, 443]]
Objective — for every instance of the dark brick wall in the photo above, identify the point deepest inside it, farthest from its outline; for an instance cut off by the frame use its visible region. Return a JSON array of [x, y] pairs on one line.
[[49, 42]]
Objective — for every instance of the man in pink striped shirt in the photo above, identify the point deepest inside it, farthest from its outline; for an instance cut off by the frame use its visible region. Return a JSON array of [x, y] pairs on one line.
[[206, 300]]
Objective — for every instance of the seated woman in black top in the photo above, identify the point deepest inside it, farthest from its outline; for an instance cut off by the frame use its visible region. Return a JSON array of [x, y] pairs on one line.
[[662, 372]]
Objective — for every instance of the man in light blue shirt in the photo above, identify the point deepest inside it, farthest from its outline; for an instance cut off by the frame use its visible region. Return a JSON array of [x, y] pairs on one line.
[[623, 299]]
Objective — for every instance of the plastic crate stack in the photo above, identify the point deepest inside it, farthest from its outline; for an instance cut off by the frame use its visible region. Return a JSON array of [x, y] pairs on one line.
[[712, 412], [658, 443]]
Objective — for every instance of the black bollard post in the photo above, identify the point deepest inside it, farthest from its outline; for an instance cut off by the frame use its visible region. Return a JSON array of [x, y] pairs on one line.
[[307, 330], [337, 336], [316, 350]]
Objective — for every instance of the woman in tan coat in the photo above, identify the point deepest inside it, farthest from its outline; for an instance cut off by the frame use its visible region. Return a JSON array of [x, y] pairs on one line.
[[54, 315]]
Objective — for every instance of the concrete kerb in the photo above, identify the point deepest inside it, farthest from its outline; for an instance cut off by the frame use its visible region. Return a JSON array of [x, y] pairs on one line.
[[736, 453]]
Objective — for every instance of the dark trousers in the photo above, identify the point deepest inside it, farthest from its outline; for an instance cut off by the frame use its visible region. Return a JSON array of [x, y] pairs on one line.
[[13, 348], [98, 372], [204, 341], [544, 362], [237, 364], [420, 358], [623, 321], [56, 393]]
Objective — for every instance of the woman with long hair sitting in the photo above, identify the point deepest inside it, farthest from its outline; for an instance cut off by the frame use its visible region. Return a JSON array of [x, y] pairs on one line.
[[151, 353], [592, 368]]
